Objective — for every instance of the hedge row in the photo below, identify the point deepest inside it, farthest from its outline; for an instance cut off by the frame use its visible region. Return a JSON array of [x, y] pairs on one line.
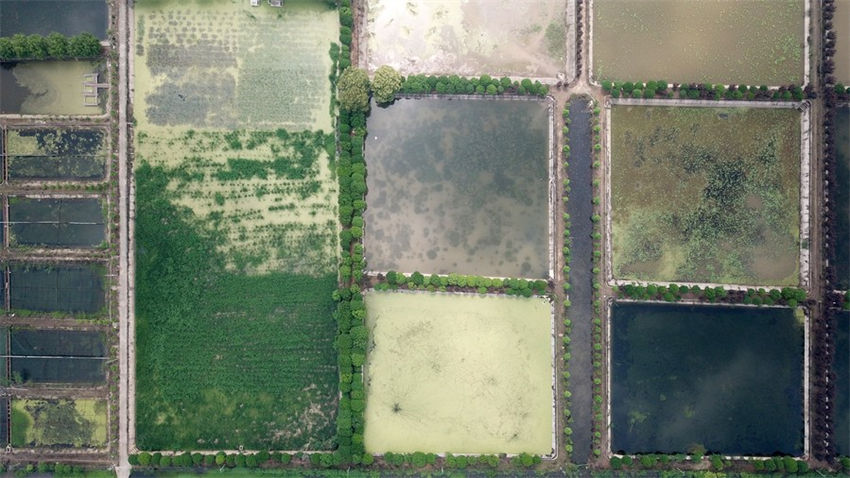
[[598, 375], [568, 327], [346, 21], [483, 85], [53, 46], [718, 463], [705, 91], [790, 296], [458, 282]]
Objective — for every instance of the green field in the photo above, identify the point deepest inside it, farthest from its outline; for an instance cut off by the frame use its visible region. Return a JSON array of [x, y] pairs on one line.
[[61, 422], [715, 41], [236, 226], [705, 194]]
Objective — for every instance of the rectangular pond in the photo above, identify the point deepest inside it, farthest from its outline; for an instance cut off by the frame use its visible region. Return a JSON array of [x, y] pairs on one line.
[[52, 87], [840, 199], [729, 379], [68, 17], [841, 27], [715, 41], [841, 369], [60, 423], [62, 288], [56, 356], [56, 222], [458, 373], [459, 185], [56, 154], [688, 207]]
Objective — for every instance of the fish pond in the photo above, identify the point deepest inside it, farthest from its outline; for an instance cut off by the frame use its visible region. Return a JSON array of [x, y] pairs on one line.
[[688, 207], [469, 38], [55, 356], [841, 27], [458, 373], [723, 379], [51, 87], [56, 222], [42, 17], [715, 41], [459, 185], [56, 154], [841, 198], [841, 368], [60, 423], [61, 288]]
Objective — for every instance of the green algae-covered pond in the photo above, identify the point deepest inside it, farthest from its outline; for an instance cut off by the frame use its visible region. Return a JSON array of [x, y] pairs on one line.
[[459, 186], [728, 379], [458, 374]]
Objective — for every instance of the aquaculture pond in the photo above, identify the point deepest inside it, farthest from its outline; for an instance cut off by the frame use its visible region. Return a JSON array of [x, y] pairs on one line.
[[56, 154], [715, 41], [841, 199], [458, 373], [687, 207], [55, 356], [459, 186], [468, 38], [62, 288], [841, 368], [727, 379], [58, 423], [56, 222], [68, 17], [51, 87]]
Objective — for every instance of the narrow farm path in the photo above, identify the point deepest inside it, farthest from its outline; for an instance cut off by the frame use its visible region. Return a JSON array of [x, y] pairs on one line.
[[125, 330]]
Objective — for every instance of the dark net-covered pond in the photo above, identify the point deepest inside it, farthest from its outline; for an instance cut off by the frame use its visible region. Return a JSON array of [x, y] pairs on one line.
[[841, 368], [460, 186], [68, 17], [55, 356], [722, 379]]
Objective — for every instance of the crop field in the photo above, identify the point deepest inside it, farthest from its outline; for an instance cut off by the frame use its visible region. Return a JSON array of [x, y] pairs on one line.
[[459, 374], [841, 258], [55, 356], [234, 312], [48, 87], [46, 16], [58, 423], [714, 41], [841, 368], [56, 222], [841, 27], [688, 206], [227, 65], [729, 379], [56, 154], [468, 38], [455, 186], [60, 288]]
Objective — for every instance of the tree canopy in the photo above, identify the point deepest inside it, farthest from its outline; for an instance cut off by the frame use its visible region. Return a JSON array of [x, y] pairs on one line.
[[386, 84], [354, 90]]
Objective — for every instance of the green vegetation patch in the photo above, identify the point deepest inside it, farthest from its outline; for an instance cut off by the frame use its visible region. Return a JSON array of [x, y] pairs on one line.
[[58, 422], [706, 194], [228, 65], [226, 358], [50, 153], [456, 373], [714, 41]]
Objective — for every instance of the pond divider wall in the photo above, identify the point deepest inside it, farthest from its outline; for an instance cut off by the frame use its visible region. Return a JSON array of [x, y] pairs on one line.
[[803, 107], [580, 209]]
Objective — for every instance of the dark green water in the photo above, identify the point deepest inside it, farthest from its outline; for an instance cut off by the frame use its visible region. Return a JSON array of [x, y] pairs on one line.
[[62, 356], [68, 17], [67, 288], [51, 222], [725, 378], [841, 367], [841, 196], [458, 186], [61, 154]]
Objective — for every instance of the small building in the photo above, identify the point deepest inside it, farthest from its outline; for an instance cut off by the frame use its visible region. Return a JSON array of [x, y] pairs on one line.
[[276, 3], [255, 3]]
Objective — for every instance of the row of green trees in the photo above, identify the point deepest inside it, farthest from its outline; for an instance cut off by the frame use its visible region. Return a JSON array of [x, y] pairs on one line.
[[599, 426], [718, 463], [790, 296], [483, 85], [694, 91], [568, 419], [52, 46], [527, 288]]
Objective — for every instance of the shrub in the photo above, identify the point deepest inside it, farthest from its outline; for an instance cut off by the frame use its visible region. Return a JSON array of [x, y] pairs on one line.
[[353, 88]]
